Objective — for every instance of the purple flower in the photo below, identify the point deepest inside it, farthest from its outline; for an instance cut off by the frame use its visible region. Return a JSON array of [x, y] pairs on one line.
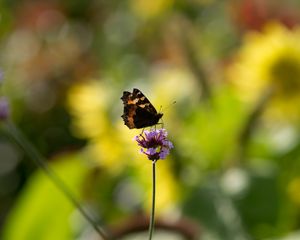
[[4, 109], [154, 144]]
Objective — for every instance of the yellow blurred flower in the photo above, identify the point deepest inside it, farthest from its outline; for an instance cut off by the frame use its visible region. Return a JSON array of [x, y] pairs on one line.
[[270, 60], [149, 9], [89, 104], [293, 190], [167, 192], [173, 84], [111, 143]]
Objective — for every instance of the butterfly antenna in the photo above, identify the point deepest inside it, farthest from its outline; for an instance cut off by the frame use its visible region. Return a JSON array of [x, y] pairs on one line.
[[160, 110]]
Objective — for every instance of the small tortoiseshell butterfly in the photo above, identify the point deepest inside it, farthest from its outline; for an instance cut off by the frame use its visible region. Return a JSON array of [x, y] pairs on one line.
[[138, 111]]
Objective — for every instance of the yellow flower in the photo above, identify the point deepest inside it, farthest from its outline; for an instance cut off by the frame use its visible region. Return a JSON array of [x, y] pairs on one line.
[[293, 190], [150, 9], [270, 60], [166, 187], [89, 103], [173, 84]]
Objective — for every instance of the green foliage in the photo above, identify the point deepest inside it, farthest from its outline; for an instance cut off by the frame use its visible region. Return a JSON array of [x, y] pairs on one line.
[[41, 210], [213, 129]]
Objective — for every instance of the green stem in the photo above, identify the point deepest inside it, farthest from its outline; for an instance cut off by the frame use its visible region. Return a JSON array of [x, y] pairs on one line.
[[15, 134], [151, 226], [193, 60], [252, 122]]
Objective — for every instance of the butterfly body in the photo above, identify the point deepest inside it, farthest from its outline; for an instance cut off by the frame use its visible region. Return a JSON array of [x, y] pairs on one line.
[[138, 110]]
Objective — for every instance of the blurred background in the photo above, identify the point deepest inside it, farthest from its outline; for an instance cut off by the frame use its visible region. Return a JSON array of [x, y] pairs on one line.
[[233, 68]]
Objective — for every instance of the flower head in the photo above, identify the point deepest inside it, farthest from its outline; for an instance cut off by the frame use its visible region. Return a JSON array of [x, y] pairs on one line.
[[154, 144], [270, 60], [4, 108]]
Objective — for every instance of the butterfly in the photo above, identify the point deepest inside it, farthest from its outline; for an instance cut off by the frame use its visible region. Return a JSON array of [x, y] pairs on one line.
[[138, 110]]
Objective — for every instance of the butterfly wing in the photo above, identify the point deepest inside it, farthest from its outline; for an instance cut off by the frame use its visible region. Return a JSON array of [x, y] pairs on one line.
[[138, 111]]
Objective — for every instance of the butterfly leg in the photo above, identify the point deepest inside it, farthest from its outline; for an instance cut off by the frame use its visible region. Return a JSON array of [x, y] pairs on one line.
[[160, 123]]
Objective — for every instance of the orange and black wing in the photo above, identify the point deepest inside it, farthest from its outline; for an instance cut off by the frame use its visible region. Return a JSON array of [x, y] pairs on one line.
[[138, 110]]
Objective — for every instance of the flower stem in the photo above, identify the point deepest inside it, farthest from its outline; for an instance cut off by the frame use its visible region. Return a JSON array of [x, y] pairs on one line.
[[151, 226], [17, 136]]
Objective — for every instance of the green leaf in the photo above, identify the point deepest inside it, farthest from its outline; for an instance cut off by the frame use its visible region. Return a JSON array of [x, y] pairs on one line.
[[41, 211]]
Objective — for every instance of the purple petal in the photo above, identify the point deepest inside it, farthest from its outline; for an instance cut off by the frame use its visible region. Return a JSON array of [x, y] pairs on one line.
[[4, 108], [163, 154], [154, 144], [136, 138], [151, 151], [169, 145], [150, 135]]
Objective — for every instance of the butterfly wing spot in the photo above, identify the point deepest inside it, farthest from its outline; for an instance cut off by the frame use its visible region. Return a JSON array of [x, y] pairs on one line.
[[128, 116], [144, 105]]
